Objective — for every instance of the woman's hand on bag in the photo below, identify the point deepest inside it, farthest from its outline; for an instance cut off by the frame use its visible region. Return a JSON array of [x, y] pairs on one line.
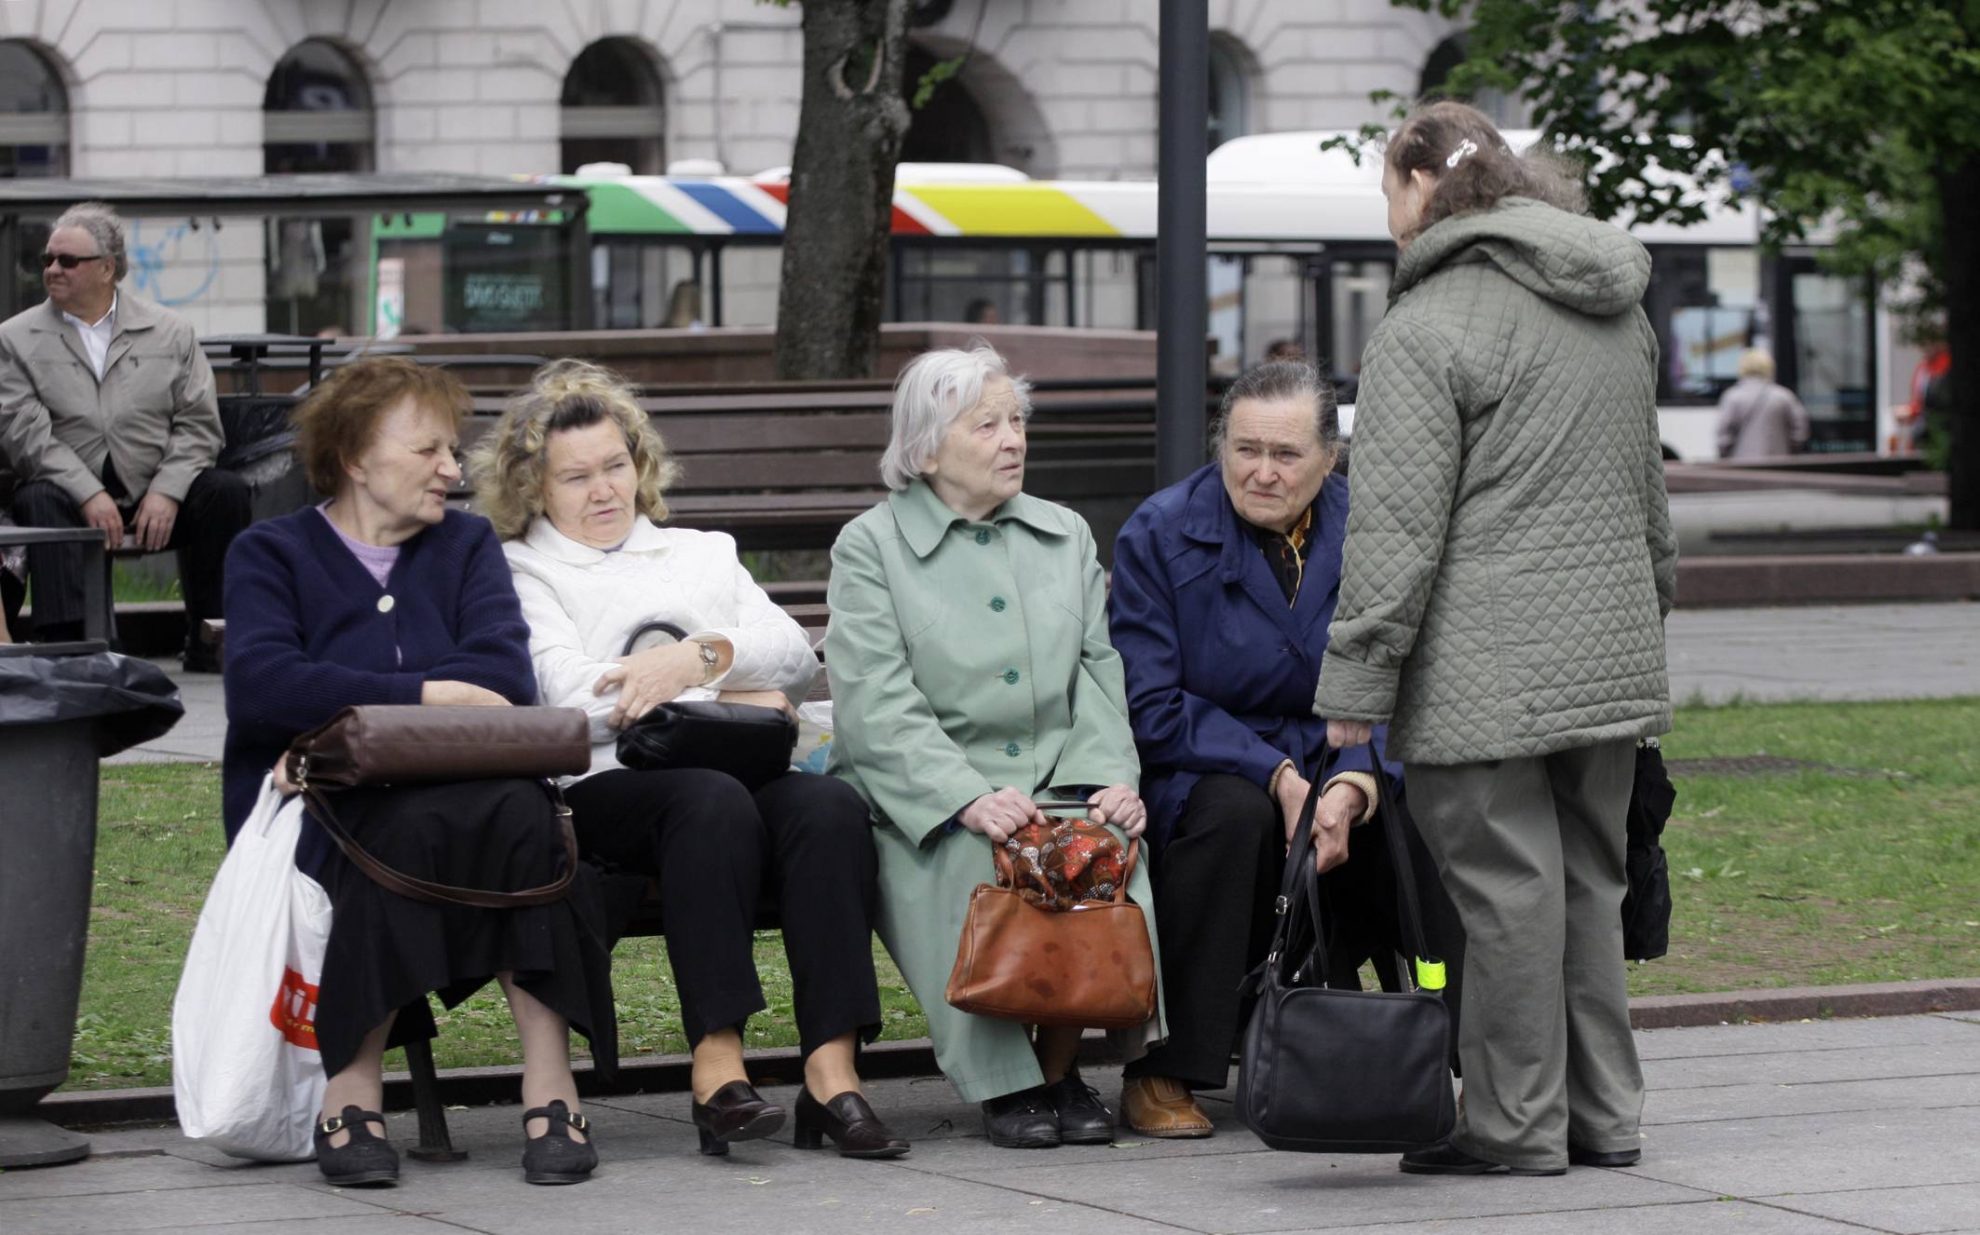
[[647, 679], [1340, 807], [460, 695], [759, 698], [997, 815], [1291, 793], [1120, 806], [1342, 734], [283, 785]]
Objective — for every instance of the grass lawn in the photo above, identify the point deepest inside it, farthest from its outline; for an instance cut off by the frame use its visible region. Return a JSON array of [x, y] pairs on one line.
[[1813, 844]]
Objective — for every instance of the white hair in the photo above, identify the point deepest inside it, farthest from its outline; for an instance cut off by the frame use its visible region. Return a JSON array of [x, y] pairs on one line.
[[934, 389], [103, 226]]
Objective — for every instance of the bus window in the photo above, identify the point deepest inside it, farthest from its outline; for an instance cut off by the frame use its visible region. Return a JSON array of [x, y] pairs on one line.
[[1108, 288], [1007, 285], [1357, 295], [1276, 307], [1705, 307], [1830, 346], [749, 275], [634, 285]]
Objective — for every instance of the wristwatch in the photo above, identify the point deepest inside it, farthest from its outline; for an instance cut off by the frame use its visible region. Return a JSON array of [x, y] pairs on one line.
[[711, 661]]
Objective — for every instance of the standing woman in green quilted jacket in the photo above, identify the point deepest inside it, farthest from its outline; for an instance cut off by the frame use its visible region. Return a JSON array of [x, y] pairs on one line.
[[1509, 562]]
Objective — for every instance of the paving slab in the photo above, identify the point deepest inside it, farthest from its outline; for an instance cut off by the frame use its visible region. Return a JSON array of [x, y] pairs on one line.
[[1677, 1106], [146, 1210], [1711, 1217], [1782, 1067], [1782, 1155], [1804, 1036], [1907, 1211]]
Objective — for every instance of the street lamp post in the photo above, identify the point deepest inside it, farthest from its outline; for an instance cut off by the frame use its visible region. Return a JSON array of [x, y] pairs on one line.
[[1180, 249]]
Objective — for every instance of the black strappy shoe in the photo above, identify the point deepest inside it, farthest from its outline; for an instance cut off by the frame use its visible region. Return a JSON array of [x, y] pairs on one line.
[[366, 1159], [554, 1157]]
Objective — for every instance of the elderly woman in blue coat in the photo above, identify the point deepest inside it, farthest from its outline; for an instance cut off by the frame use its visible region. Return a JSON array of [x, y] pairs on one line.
[[971, 674], [1223, 588]]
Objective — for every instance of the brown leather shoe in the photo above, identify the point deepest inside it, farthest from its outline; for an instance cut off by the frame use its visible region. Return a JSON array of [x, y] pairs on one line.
[[1162, 1106]]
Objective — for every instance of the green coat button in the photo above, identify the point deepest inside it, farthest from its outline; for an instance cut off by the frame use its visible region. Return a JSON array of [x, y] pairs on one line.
[[1010, 677], [997, 604], [1013, 750], [982, 536]]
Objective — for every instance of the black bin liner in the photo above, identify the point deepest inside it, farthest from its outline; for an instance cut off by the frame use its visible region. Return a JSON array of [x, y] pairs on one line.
[[130, 700]]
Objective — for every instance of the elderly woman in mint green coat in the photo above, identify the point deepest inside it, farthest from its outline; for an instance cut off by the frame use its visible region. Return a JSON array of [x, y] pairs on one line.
[[971, 673]]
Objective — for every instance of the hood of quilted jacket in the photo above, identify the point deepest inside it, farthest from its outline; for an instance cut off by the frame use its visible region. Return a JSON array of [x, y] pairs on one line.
[[1584, 264]]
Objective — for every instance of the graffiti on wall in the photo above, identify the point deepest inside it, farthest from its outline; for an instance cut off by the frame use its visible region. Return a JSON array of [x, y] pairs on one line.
[[173, 264]]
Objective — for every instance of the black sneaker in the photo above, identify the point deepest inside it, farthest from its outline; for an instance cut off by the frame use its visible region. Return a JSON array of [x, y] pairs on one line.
[[1083, 1118], [1021, 1120]]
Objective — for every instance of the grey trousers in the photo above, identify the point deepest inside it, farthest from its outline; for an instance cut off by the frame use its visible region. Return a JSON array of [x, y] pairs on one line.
[[1531, 851]]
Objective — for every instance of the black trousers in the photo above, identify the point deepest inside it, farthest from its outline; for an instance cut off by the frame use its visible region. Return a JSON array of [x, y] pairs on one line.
[[1216, 882], [217, 508], [802, 841]]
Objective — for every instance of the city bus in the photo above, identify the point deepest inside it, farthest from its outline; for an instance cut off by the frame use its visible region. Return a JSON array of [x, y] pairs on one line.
[[1299, 253]]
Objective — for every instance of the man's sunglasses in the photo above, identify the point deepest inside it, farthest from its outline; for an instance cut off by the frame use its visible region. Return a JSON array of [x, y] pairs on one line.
[[67, 261]]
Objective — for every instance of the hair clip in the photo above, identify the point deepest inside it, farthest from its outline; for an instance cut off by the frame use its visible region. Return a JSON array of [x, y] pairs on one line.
[[1465, 147]]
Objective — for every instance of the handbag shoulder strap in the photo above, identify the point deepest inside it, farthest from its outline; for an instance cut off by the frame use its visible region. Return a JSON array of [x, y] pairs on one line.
[[1427, 971], [1298, 905], [415, 888]]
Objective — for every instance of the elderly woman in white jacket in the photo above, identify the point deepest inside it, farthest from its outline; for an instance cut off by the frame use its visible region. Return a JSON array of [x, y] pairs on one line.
[[572, 478]]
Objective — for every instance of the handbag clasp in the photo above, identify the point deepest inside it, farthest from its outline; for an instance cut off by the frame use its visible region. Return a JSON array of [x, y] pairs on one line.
[[1280, 906]]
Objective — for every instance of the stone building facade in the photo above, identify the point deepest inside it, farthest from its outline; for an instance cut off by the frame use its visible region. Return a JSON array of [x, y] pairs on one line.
[[187, 88]]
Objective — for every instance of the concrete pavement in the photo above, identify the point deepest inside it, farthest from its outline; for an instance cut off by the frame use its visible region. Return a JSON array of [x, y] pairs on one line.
[[1913, 651], [1805, 1128]]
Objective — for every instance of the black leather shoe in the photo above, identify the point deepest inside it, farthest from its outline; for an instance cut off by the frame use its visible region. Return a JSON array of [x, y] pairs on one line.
[[366, 1159], [735, 1112], [557, 1157], [1444, 1158], [1595, 1157], [1083, 1118], [851, 1124], [199, 658], [1021, 1120]]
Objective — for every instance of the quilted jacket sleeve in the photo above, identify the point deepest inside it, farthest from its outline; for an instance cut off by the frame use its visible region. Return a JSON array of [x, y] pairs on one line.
[[1657, 532], [1407, 450]]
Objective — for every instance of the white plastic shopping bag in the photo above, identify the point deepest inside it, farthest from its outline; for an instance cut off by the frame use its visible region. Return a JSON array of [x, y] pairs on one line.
[[245, 1068]]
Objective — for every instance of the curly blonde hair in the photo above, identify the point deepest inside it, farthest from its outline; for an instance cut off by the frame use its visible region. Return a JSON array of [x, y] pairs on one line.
[[507, 464]]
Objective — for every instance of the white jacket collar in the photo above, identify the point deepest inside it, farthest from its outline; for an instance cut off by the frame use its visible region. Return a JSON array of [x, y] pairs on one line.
[[646, 537]]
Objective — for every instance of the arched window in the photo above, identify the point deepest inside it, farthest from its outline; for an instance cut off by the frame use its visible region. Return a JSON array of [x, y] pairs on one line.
[[34, 114], [317, 113], [949, 127], [613, 109], [316, 118], [1445, 57], [1230, 90]]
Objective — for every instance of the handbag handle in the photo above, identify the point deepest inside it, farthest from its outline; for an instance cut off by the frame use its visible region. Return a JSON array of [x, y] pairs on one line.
[[1300, 884], [414, 888]]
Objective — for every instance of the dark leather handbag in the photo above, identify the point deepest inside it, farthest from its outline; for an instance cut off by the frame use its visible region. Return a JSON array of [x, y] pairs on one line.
[[1344, 1071], [383, 745], [1646, 907], [1091, 965], [749, 742]]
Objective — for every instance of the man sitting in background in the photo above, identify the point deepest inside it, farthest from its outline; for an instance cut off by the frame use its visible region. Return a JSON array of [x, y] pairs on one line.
[[108, 414]]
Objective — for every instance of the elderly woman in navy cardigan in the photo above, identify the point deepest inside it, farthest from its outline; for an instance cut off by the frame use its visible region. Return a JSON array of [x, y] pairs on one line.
[[382, 595], [1223, 588]]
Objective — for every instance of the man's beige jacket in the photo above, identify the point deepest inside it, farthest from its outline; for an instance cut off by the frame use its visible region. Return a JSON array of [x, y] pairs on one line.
[[153, 415]]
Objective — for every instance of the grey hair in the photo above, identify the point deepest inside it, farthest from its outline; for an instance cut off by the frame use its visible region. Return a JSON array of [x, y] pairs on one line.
[[934, 389], [1284, 379], [103, 226]]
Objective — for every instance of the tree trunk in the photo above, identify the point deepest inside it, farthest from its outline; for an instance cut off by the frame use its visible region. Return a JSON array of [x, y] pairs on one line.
[[1959, 188], [842, 188]]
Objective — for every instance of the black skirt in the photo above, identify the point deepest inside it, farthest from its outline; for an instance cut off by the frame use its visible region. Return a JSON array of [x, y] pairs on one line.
[[386, 953]]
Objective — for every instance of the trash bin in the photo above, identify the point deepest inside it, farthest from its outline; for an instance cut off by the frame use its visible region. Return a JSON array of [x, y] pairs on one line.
[[59, 715]]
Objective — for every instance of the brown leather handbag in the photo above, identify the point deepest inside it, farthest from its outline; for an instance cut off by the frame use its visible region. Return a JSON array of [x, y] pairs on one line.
[[417, 744], [1090, 965]]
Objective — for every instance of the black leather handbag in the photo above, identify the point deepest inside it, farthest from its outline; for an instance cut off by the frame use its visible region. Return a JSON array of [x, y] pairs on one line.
[[1646, 907], [747, 741], [1344, 1071]]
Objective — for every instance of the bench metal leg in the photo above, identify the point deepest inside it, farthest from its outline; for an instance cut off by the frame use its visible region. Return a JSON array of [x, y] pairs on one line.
[[434, 1143]]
